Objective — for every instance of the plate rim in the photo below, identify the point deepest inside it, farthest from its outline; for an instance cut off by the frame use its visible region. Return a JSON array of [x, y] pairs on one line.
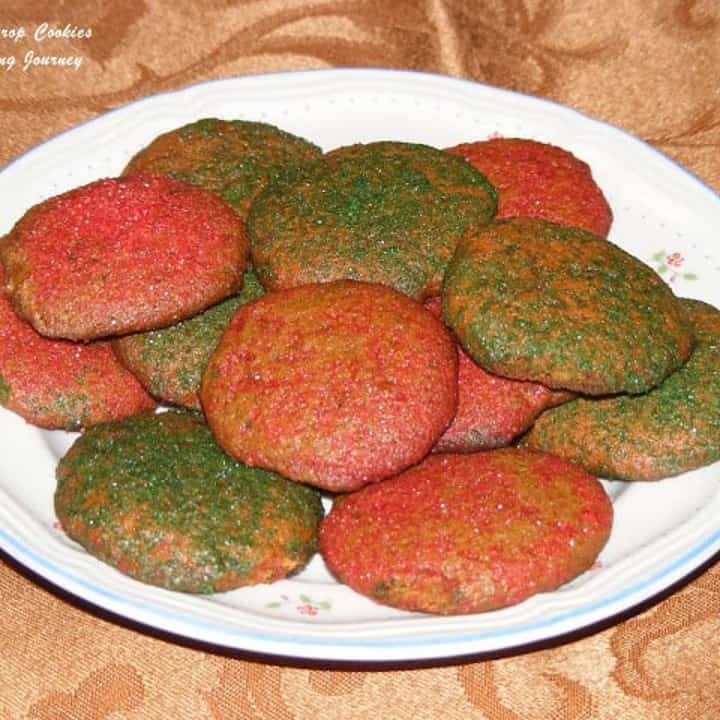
[[383, 72]]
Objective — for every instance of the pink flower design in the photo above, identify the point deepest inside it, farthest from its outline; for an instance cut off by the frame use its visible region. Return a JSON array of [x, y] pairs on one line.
[[307, 609], [669, 264]]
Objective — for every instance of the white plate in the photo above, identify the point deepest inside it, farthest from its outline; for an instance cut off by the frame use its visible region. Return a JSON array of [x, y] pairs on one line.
[[663, 215]]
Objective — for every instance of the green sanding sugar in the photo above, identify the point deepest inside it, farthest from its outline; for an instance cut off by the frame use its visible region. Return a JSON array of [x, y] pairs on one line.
[[385, 212]]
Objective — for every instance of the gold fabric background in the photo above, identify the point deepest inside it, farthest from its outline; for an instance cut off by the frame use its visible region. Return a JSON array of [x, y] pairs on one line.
[[649, 67]]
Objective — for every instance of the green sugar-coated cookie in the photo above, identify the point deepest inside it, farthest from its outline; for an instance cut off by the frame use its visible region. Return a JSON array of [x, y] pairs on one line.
[[533, 300], [170, 362], [155, 497], [672, 429], [235, 159], [386, 212]]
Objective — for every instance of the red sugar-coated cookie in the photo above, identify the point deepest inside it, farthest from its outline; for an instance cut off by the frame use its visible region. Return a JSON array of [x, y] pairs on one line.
[[492, 410], [535, 179], [122, 255], [468, 533], [60, 384], [336, 384]]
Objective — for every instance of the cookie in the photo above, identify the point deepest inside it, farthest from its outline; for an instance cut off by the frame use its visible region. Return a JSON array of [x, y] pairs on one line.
[[672, 429], [336, 384], [536, 179], [122, 255], [170, 362], [492, 410], [468, 533], [156, 498], [59, 384], [385, 212], [235, 159], [533, 300]]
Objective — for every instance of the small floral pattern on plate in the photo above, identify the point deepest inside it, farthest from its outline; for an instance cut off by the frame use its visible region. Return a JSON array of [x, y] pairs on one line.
[[303, 603], [670, 265]]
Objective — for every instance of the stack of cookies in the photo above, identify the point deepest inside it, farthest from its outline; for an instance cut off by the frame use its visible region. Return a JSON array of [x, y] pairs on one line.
[[442, 343]]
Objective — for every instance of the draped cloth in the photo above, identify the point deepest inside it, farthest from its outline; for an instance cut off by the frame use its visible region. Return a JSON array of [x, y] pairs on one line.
[[648, 67]]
